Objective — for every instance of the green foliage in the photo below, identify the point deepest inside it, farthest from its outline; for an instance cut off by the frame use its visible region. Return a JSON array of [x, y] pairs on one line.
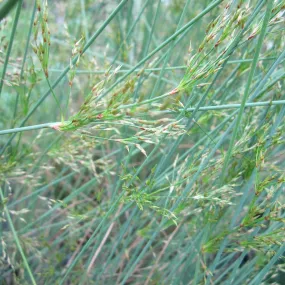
[[162, 157]]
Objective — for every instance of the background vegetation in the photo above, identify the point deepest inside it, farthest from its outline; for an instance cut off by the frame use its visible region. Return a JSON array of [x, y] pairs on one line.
[[142, 142]]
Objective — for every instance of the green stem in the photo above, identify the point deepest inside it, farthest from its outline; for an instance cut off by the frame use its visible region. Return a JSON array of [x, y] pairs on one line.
[[25, 54], [16, 238], [55, 125], [231, 106], [82, 71], [29, 128], [15, 23]]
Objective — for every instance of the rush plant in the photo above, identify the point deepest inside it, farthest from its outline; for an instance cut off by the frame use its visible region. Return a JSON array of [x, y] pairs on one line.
[[142, 142]]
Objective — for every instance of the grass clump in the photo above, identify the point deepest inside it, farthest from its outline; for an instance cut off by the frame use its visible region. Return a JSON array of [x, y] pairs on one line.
[[154, 161]]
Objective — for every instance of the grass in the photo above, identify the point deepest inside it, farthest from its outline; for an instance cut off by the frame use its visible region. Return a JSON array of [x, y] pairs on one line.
[[142, 142]]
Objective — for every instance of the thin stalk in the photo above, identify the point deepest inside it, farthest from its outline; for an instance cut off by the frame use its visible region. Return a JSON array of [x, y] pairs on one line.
[[181, 67], [231, 106], [15, 23], [16, 238], [25, 54], [29, 128]]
